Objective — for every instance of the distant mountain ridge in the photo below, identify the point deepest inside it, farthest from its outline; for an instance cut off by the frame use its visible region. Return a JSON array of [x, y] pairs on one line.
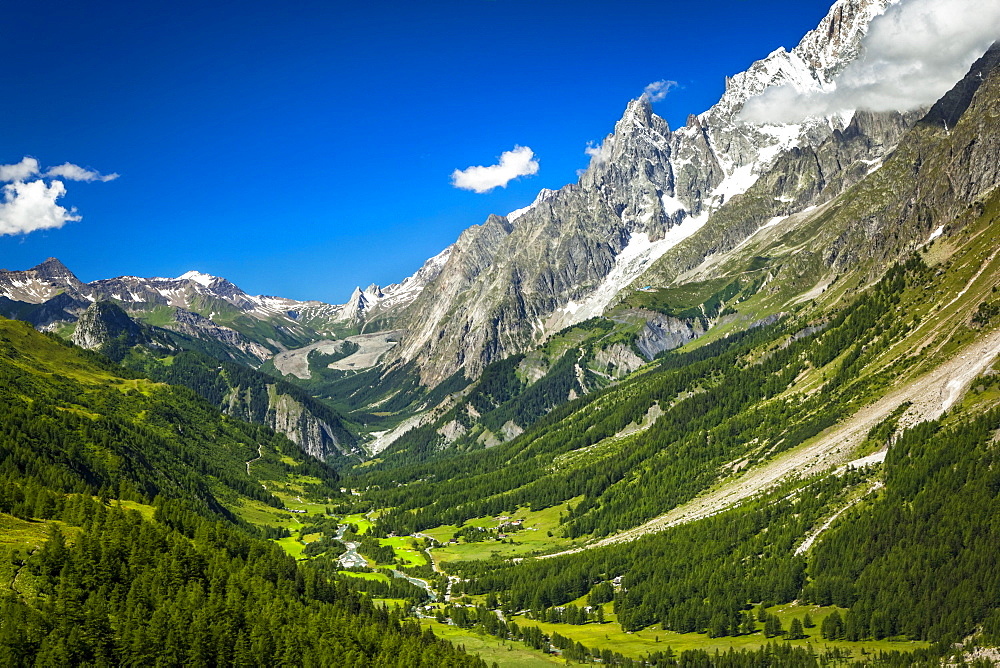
[[49, 294]]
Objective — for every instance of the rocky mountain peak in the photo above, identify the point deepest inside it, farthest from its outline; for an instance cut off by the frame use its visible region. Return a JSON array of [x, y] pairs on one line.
[[198, 277], [646, 189], [639, 113], [356, 306], [836, 40], [104, 321], [53, 268], [41, 283]]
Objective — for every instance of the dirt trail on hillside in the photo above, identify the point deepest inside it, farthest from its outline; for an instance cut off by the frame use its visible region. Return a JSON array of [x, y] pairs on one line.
[[930, 394]]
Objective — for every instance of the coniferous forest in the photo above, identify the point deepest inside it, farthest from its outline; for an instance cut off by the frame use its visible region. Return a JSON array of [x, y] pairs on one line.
[[186, 583]]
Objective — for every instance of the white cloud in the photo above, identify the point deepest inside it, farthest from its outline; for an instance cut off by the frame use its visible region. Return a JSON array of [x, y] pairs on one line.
[[912, 55], [68, 170], [28, 202], [658, 90], [30, 206], [514, 163], [601, 152], [20, 171]]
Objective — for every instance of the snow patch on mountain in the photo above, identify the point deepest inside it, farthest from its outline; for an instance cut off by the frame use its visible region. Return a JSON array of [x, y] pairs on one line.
[[637, 255], [197, 277], [938, 231], [671, 205]]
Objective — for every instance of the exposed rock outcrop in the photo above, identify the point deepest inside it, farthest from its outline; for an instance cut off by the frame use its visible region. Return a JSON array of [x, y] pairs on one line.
[[104, 322]]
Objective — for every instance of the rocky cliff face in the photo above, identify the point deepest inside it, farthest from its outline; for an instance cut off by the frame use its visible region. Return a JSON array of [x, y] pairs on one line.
[[103, 322], [891, 203], [659, 333], [513, 280], [800, 179], [941, 173], [287, 415]]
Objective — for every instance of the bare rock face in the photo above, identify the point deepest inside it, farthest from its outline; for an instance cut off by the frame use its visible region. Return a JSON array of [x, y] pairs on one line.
[[659, 333], [943, 172], [451, 431], [511, 430], [286, 415], [104, 322], [315, 437], [663, 332], [619, 360]]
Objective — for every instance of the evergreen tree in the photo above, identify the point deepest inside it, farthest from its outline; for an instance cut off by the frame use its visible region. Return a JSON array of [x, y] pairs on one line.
[[832, 627], [772, 626]]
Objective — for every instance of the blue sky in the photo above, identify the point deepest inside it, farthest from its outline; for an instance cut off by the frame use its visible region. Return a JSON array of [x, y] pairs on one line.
[[301, 150]]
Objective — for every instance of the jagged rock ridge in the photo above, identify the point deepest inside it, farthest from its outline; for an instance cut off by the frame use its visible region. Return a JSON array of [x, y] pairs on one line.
[[514, 280]]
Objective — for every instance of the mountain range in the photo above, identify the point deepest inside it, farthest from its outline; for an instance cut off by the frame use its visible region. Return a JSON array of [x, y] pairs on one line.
[[653, 205], [738, 382]]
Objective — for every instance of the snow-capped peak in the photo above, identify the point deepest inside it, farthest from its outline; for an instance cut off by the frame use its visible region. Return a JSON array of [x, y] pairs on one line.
[[197, 277]]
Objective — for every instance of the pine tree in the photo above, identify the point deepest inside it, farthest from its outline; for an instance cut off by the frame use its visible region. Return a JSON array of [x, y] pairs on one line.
[[772, 626], [833, 626], [795, 630]]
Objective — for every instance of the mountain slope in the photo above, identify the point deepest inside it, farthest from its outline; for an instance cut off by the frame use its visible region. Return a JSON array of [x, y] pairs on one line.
[[106, 429], [122, 538], [236, 389]]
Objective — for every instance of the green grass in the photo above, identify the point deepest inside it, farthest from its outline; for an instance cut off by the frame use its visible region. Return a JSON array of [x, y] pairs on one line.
[[291, 546], [676, 299], [635, 644], [143, 509], [362, 522], [18, 538], [158, 316], [402, 546], [366, 576], [16, 533], [390, 602], [506, 654], [290, 494], [533, 538], [260, 514]]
